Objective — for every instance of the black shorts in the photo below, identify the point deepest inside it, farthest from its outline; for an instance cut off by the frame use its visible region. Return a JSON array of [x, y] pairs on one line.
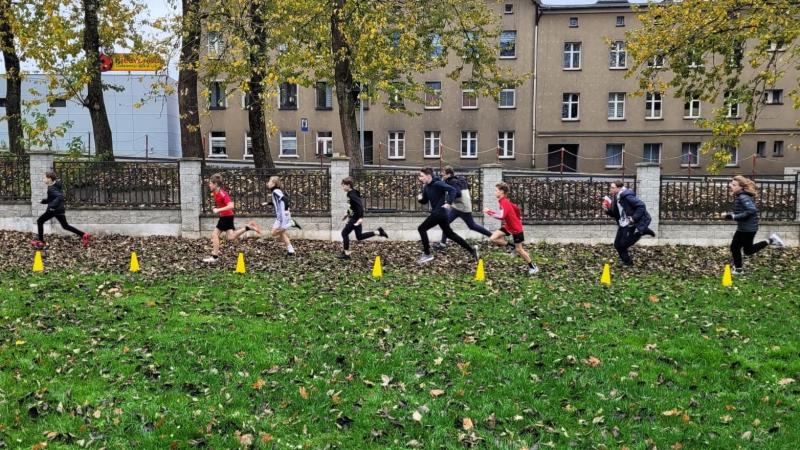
[[225, 223], [519, 238]]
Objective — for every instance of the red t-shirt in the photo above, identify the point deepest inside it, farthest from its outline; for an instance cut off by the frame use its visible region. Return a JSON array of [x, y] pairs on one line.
[[221, 200], [511, 220]]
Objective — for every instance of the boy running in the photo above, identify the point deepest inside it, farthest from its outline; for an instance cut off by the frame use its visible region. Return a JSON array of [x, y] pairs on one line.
[[355, 217], [283, 218], [512, 225], [223, 205], [55, 209], [462, 207]]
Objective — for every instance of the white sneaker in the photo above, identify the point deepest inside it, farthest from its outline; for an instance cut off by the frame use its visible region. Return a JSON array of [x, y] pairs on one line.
[[425, 259], [736, 271], [776, 240], [533, 270], [210, 260]]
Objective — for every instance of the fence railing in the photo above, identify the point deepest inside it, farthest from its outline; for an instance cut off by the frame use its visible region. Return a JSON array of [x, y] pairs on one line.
[[569, 198], [110, 184], [701, 198], [15, 180], [308, 190], [394, 191]]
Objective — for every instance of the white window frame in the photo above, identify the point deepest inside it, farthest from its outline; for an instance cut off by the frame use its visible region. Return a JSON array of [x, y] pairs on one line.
[[775, 147], [248, 146], [575, 48], [326, 141], [467, 91], [431, 144], [514, 55], [505, 139], [733, 108], [215, 47], [569, 104], [650, 102], [734, 162], [573, 22], [296, 97], [618, 54], [244, 100], [513, 93], [697, 145], [617, 104], [286, 139], [660, 151], [621, 157], [620, 23], [396, 141], [469, 136], [691, 102], [216, 139], [656, 62], [328, 96], [431, 96], [769, 97], [508, 8], [224, 103]]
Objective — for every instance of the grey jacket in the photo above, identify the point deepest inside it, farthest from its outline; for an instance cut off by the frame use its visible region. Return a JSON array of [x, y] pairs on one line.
[[745, 212]]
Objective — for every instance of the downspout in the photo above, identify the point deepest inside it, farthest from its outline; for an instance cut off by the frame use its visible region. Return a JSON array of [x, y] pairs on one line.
[[537, 15]]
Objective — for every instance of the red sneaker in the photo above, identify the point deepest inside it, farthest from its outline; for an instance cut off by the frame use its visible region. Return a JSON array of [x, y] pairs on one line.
[[37, 244], [85, 239]]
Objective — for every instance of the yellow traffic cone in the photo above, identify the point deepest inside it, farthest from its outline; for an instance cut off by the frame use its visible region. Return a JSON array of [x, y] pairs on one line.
[[606, 277], [480, 274], [240, 264], [727, 281], [38, 266], [377, 268], [134, 262]]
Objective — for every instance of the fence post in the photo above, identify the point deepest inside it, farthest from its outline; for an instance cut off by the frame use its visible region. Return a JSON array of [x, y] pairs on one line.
[[340, 169], [491, 174], [191, 196], [795, 172], [648, 180], [40, 162]]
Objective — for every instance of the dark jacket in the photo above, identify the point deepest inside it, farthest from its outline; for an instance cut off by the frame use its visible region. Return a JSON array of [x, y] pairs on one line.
[[437, 193], [55, 198], [458, 182], [635, 209], [745, 212], [356, 210]]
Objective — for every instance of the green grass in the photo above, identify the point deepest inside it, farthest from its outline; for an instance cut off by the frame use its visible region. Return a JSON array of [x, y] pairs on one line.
[[321, 361]]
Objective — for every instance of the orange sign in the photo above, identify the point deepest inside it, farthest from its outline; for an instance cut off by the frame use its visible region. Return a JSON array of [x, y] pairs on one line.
[[128, 62]]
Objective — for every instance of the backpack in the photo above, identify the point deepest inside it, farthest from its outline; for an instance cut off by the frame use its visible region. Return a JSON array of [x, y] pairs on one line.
[[463, 200]]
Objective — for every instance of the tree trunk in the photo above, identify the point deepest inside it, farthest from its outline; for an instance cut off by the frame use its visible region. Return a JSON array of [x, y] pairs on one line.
[[343, 77], [94, 97], [191, 141], [13, 82], [262, 157]]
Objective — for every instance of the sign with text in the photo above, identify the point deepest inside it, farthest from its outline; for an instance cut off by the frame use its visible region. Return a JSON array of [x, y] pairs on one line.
[[304, 125], [130, 62]]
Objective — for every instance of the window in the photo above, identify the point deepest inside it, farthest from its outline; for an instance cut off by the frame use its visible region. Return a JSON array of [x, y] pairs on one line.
[[616, 59], [247, 100], [248, 145], [690, 154], [733, 106], [2, 102], [616, 105], [694, 59], [58, 103], [573, 22], [691, 109], [509, 8], [215, 44], [471, 45], [773, 97], [734, 157], [469, 144], [505, 142], [395, 99], [324, 95], [507, 98], [469, 97], [508, 44], [288, 96], [620, 21], [216, 145], [614, 156], [433, 95], [651, 153], [777, 149], [217, 96], [569, 106], [572, 55], [761, 149], [324, 143], [289, 143], [433, 141], [656, 62], [652, 105], [397, 144], [436, 46], [736, 56]]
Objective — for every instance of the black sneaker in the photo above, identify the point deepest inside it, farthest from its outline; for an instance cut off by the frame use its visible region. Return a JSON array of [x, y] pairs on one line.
[[439, 246], [343, 256], [296, 225], [510, 249], [289, 253], [382, 233]]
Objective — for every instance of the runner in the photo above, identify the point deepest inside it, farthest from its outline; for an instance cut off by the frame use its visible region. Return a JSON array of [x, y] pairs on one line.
[[355, 217], [283, 218], [462, 207], [512, 226], [56, 208], [632, 219], [223, 205]]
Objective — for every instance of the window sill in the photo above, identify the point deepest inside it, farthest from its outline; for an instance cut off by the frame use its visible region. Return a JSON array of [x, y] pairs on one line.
[[396, 158], [773, 104], [324, 108], [616, 119], [289, 156], [507, 107], [469, 157], [694, 166], [218, 156], [508, 57], [570, 69], [507, 157], [471, 108], [287, 108], [432, 108], [618, 68], [570, 120], [247, 157], [654, 118], [431, 157], [613, 167], [691, 117]]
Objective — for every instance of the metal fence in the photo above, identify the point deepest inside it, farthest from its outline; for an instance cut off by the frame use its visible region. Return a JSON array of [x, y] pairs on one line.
[[110, 184], [569, 198], [394, 191], [308, 190], [15, 180], [701, 198]]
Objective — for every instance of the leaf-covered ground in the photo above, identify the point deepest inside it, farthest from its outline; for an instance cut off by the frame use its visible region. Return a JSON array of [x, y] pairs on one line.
[[310, 352]]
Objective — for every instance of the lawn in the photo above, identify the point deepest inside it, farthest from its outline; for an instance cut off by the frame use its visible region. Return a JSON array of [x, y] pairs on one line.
[[189, 358]]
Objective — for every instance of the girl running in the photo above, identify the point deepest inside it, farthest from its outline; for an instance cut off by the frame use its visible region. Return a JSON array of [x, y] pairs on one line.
[[283, 219], [55, 209], [223, 205], [355, 217], [512, 226]]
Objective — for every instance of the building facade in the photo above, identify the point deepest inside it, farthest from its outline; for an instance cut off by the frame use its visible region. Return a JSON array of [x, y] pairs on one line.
[[144, 121]]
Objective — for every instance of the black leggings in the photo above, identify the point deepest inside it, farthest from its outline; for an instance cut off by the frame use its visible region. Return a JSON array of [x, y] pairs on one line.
[[439, 218], [62, 219], [349, 228], [744, 240]]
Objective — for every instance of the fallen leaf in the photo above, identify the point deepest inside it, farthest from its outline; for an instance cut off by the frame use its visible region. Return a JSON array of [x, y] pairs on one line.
[[436, 392], [264, 437], [416, 416], [258, 384], [385, 380], [466, 423], [303, 392], [39, 446], [671, 412], [20, 342], [593, 361], [246, 440], [653, 299], [463, 367], [676, 446], [726, 418], [785, 382], [747, 435]]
